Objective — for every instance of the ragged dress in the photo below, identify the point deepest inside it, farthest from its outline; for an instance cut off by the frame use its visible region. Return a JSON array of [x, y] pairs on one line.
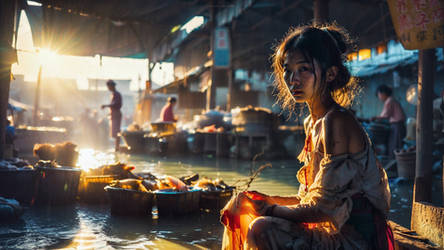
[[351, 189]]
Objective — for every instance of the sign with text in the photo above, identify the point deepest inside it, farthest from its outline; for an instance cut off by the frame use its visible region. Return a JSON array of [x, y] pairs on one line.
[[221, 58], [419, 24]]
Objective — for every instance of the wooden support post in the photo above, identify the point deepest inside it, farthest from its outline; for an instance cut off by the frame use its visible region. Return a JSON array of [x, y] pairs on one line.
[[320, 8], [8, 10], [424, 129], [35, 116], [230, 71], [211, 90]]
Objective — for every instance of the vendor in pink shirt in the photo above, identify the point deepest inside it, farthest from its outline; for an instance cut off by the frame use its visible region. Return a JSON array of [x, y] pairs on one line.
[[167, 115], [394, 113]]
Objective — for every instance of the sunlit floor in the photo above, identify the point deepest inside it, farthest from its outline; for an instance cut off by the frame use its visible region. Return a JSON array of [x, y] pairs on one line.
[[83, 226]]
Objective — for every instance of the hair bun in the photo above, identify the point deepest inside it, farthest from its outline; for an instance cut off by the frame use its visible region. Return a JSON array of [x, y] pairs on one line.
[[342, 46]]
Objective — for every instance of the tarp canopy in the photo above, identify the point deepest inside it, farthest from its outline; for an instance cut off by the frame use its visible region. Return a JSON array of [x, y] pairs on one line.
[[130, 28]]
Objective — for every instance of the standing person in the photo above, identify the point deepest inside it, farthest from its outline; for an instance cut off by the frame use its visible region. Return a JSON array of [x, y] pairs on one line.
[[343, 197], [9, 140], [393, 112], [10, 133], [116, 114], [167, 114]]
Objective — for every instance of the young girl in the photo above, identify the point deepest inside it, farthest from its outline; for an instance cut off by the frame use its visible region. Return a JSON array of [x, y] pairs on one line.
[[344, 195]]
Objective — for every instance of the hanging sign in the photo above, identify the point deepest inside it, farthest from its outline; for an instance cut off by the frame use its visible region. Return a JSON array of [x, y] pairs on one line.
[[221, 47], [419, 24]]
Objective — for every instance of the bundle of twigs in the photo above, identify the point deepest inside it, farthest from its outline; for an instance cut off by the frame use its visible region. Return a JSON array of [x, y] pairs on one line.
[[244, 184]]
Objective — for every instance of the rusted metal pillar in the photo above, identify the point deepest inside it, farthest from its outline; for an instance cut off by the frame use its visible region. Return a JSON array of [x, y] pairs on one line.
[[211, 90], [424, 129], [7, 17], [320, 11]]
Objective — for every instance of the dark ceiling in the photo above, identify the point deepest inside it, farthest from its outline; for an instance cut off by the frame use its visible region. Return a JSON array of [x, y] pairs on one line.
[[136, 28]]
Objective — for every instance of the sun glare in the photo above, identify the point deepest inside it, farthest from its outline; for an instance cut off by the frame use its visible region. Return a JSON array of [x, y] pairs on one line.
[[90, 159], [47, 57]]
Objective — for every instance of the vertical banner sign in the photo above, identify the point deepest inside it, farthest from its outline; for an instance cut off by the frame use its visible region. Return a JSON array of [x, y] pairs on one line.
[[419, 24], [221, 47]]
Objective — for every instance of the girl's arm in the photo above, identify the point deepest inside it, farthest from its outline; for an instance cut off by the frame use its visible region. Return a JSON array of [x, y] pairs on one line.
[[298, 213], [278, 200], [283, 200]]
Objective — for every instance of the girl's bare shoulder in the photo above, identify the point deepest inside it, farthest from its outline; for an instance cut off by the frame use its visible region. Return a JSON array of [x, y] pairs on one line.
[[341, 131], [340, 119]]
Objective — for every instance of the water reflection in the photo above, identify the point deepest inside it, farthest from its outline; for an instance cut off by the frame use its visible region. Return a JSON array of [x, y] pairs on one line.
[[92, 227], [40, 227]]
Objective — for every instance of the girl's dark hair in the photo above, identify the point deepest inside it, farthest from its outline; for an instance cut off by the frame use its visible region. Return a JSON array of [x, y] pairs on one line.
[[384, 89], [328, 45]]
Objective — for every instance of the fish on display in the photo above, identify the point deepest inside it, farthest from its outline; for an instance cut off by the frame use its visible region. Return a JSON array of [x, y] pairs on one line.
[[47, 164], [121, 170], [170, 182], [133, 184], [207, 184], [189, 179]]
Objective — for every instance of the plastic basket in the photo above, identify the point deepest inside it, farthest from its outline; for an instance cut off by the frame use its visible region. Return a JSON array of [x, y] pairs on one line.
[[129, 202], [215, 200], [92, 188], [57, 186], [171, 202], [21, 185], [406, 164]]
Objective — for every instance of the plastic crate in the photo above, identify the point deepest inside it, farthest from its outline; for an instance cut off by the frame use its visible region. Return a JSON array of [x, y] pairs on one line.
[[215, 200], [129, 202], [21, 185], [57, 186], [171, 202], [92, 188]]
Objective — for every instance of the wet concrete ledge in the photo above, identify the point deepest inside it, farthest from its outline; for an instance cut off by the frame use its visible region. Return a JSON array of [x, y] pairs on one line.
[[408, 239], [428, 220]]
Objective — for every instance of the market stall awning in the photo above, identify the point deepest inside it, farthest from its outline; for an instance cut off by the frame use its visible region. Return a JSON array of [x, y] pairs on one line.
[[262, 23], [191, 77], [19, 106]]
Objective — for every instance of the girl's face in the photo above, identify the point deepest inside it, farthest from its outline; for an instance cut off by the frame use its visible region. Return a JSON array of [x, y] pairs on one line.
[[300, 76]]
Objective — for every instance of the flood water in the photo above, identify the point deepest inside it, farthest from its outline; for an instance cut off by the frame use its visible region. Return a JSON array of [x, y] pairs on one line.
[[84, 226]]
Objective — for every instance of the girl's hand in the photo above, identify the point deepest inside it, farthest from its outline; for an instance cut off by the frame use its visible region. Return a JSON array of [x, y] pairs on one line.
[[257, 207], [255, 195]]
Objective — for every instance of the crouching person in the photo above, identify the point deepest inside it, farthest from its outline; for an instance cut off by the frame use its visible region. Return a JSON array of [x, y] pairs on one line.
[[343, 196]]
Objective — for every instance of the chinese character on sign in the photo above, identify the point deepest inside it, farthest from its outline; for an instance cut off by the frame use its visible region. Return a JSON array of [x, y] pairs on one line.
[[401, 5], [438, 15], [422, 20], [438, 32], [421, 36], [419, 4], [405, 37], [405, 22], [222, 43], [435, 4]]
